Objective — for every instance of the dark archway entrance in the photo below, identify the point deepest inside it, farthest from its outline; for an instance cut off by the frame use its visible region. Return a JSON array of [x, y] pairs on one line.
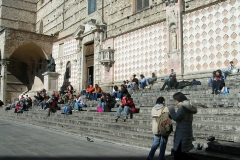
[[26, 66]]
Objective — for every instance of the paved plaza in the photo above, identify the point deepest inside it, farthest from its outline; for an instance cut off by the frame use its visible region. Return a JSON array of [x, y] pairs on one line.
[[28, 142]]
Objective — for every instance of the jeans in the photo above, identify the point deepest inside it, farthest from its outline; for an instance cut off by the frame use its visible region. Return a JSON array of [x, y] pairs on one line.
[[142, 84], [96, 95], [217, 85], [125, 110], [66, 110], [101, 104], [158, 141], [44, 104], [166, 79], [83, 92], [78, 105], [210, 82], [225, 74], [88, 94], [117, 95]]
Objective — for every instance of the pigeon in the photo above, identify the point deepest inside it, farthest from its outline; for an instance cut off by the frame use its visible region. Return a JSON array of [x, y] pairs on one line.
[[89, 139]]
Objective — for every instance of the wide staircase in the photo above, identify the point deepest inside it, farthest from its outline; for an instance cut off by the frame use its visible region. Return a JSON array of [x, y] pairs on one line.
[[218, 116]]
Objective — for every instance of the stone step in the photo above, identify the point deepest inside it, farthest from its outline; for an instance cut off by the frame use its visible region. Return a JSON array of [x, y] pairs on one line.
[[224, 147], [203, 155], [200, 129]]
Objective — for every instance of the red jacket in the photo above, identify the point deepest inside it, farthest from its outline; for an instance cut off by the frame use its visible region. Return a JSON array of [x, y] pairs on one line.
[[128, 102]]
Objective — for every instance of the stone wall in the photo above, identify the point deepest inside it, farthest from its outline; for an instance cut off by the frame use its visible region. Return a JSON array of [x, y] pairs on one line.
[[69, 50], [211, 37], [15, 14], [142, 51]]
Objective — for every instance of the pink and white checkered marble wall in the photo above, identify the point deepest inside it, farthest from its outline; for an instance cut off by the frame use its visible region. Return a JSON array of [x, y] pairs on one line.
[[141, 52], [69, 54], [211, 37]]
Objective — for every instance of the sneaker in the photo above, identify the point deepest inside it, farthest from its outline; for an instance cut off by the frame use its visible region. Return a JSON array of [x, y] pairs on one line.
[[116, 119], [124, 120]]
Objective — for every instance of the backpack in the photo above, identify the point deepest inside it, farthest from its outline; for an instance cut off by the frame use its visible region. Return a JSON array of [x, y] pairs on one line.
[[164, 123]]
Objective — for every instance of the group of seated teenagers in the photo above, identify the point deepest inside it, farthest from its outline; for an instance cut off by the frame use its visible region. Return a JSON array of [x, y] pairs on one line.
[[217, 81], [140, 84], [75, 103], [46, 101], [23, 104], [92, 93]]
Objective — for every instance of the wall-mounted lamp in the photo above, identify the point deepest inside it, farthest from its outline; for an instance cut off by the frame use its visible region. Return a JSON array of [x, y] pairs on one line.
[[107, 58]]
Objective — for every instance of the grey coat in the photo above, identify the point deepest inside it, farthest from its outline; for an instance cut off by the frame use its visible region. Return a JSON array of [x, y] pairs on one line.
[[183, 118]]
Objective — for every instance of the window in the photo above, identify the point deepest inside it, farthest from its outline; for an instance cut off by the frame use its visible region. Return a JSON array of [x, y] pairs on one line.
[[60, 51], [92, 6], [140, 4]]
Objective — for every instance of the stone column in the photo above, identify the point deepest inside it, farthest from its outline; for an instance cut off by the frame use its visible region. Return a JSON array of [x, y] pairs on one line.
[[3, 81], [51, 81], [97, 65]]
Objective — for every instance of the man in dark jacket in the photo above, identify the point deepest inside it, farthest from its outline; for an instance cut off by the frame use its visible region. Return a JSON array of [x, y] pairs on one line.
[[134, 82], [171, 83]]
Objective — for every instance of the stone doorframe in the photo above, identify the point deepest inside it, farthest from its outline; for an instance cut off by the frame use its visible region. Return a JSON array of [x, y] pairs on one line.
[[91, 32]]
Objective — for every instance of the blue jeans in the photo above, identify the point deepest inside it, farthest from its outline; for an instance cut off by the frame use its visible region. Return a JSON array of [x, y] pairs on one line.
[[166, 79], [117, 95], [158, 141], [101, 104], [96, 95], [66, 110], [78, 105], [83, 92], [210, 81], [142, 84], [225, 74], [88, 94], [125, 110]]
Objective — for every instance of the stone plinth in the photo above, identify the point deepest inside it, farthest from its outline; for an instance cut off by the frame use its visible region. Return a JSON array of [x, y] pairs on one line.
[[51, 81]]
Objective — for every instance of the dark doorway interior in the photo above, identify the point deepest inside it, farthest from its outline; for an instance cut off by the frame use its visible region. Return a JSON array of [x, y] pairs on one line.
[[90, 72]]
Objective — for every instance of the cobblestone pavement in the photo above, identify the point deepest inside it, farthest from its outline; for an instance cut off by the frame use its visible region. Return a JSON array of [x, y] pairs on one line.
[[28, 142]]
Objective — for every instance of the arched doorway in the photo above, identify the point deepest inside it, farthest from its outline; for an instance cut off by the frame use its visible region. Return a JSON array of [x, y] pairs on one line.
[[26, 66]]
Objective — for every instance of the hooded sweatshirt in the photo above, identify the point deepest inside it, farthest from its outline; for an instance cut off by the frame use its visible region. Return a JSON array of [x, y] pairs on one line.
[[156, 112]]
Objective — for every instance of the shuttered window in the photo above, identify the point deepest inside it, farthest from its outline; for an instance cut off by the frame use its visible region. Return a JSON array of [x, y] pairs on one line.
[[92, 6]]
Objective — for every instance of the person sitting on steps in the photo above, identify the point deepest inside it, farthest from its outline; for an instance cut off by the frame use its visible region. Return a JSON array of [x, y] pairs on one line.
[[152, 79], [110, 103], [127, 106], [134, 82], [171, 83], [97, 92], [89, 91], [218, 82], [79, 104], [123, 90], [143, 82], [116, 93], [229, 71]]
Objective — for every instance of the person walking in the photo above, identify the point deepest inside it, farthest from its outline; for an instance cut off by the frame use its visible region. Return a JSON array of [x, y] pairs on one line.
[[183, 134], [159, 140]]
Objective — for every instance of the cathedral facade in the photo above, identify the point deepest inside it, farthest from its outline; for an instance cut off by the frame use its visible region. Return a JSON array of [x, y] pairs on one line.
[[112, 39]]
